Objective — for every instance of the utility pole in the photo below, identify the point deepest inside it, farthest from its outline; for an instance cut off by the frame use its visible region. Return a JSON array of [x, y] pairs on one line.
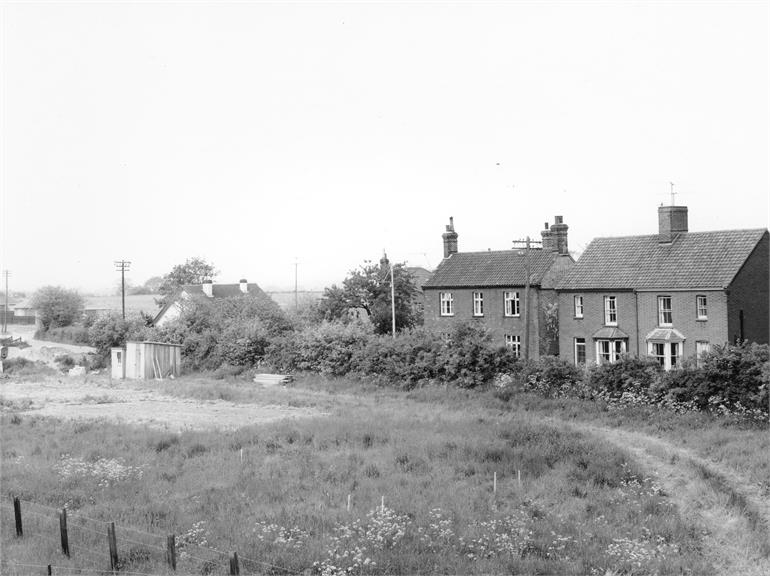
[[123, 266], [6, 273], [393, 300], [672, 193], [528, 242], [296, 301]]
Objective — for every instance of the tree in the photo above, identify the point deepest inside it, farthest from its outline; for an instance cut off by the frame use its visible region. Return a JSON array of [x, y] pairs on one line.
[[369, 288], [193, 271], [57, 306]]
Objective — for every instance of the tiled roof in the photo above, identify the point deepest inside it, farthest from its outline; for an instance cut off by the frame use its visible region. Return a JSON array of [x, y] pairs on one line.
[[491, 268], [692, 260], [222, 290]]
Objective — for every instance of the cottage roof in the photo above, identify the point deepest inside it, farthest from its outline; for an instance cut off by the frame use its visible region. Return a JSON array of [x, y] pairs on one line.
[[693, 260], [419, 274], [223, 290], [491, 268]]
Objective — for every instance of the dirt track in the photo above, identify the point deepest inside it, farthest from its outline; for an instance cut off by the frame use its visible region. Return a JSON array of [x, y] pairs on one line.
[[732, 546], [76, 397]]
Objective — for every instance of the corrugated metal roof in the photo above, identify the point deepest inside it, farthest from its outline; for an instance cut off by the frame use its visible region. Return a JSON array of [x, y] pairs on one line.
[[692, 260], [491, 268]]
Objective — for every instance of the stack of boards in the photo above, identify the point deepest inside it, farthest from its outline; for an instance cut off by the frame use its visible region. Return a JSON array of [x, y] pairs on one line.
[[272, 379]]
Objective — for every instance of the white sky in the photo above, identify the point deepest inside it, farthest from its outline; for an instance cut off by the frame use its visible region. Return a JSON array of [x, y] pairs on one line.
[[251, 133]]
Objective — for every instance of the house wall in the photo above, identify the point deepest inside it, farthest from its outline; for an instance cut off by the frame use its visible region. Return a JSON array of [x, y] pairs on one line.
[[593, 320], [749, 292], [171, 313], [494, 313], [684, 317]]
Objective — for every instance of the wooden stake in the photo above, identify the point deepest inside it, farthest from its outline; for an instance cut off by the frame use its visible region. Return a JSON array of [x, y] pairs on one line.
[[382, 505], [113, 542], [17, 516], [65, 544], [494, 484], [235, 569], [241, 455], [348, 502], [518, 473], [171, 551], [49, 570]]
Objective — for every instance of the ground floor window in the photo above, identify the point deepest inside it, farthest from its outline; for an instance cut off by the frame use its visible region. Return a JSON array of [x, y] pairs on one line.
[[580, 350], [667, 354], [514, 343], [701, 348], [609, 351]]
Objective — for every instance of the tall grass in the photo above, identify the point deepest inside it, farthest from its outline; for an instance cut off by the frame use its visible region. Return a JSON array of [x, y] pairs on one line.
[[582, 507]]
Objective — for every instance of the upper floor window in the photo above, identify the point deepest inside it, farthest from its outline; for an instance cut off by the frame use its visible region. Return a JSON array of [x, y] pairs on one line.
[[511, 303], [514, 343], [610, 311], [578, 306], [665, 318], [701, 308], [478, 303], [447, 304]]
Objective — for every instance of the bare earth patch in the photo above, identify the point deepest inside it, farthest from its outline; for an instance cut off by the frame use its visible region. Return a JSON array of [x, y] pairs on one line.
[[75, 398]]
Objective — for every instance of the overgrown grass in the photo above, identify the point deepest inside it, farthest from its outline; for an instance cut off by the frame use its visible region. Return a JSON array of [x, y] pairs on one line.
[[278, 493]]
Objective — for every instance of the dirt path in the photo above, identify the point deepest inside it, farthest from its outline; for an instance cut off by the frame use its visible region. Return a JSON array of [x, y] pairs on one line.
[[733, 512], [76, 398]]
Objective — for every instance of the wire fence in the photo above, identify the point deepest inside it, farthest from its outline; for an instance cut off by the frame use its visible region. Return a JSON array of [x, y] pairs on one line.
[[90, 545]]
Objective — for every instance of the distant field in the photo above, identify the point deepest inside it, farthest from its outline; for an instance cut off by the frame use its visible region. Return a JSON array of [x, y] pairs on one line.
[[138, 303], [278, 493]]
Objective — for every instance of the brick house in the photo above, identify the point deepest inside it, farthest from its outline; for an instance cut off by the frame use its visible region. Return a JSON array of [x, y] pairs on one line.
[[490, 287], [668, 296]]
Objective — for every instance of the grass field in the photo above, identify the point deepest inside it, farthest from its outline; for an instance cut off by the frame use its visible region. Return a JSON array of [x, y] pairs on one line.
[[418, 468]]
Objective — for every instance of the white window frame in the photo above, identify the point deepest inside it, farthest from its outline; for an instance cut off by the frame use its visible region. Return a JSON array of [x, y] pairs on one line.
[[513, 341], [512, 304], [663, 311], [701, 307], [672, 353], [580, 342], [610, 310], [578, 305], [446, 304], [701, 347], [616, 349], [478, 303]]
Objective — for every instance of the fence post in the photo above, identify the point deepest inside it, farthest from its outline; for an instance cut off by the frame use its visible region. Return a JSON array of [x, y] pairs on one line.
[[113, 542], [49, 570], [235, 569], [171, 551], [65, 544], [17, 516]]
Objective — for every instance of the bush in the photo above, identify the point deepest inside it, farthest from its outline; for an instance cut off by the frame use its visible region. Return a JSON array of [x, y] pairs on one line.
[[77, 334], [629, 374], [112, 330], [57, 306]]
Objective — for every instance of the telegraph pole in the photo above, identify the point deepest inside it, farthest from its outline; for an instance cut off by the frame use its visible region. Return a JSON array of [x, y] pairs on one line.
[[6, 273], [123, 266], [393, 301], [528, 242], [296, 302]]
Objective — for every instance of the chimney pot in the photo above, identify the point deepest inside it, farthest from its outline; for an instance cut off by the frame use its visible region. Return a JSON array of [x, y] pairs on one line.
[[450, 239]]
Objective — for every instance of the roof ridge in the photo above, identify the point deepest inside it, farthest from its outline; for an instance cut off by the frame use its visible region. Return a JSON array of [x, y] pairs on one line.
[[699, 232]]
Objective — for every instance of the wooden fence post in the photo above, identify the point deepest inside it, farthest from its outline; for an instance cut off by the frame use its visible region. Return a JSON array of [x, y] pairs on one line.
[[65, 544], [171, 551], [17, 516], [49, 570], [235, 569], [113, 542]]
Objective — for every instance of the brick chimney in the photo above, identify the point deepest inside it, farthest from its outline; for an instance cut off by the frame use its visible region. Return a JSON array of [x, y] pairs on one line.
[[558, 239], [672, 221], [548, 240], [244, 286], [208, 288], [450, 239]]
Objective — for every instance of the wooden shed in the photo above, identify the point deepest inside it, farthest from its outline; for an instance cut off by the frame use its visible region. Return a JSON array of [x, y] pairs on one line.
[[149, 360]]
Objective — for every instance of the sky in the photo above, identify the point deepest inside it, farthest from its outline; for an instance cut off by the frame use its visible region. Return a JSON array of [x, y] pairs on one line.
[[257, 135]]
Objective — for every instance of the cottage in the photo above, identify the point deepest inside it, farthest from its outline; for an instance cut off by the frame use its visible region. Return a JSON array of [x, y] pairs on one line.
[[491, 288], [207, 289], [667, 296]]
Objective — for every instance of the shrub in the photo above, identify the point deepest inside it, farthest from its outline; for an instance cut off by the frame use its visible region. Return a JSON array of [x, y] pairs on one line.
[[112, 330], [76, 334], [57, 306], [629, 374]]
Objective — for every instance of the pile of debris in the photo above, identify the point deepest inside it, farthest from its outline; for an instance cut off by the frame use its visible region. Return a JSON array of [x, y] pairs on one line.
[[272, 379]]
